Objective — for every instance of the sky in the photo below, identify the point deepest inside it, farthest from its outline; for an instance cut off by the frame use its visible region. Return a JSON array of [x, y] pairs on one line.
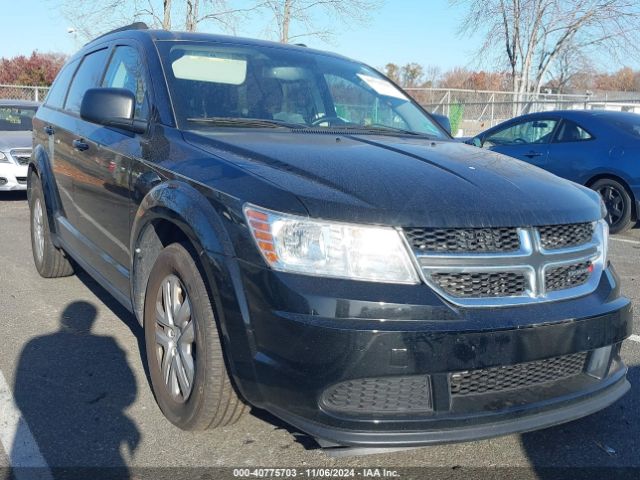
[[421, 31]]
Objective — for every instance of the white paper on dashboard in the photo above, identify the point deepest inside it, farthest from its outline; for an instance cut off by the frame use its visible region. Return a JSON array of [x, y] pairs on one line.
[[382, 86]]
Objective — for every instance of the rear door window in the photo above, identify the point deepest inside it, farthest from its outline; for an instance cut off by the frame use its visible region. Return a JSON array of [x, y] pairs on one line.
[[88, 76]]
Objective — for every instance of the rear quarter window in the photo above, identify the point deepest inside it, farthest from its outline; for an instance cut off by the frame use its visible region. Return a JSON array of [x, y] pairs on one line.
[[55, 97]]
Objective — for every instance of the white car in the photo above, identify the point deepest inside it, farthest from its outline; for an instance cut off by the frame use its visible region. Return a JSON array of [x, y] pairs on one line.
[[15, 142]]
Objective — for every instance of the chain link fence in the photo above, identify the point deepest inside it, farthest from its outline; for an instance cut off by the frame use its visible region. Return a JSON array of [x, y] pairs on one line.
[[19, 92], [472, 111]]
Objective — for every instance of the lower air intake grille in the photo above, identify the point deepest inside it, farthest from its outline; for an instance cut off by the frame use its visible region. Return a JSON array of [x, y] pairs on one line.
[[380, 395], [521, 375], [463, 240], [481, 284]]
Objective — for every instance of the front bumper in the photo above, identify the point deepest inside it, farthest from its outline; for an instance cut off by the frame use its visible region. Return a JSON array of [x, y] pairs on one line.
[[306, 342], [13, 177]]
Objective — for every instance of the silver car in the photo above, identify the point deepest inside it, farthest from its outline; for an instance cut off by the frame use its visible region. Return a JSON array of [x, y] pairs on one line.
[[15, 142]]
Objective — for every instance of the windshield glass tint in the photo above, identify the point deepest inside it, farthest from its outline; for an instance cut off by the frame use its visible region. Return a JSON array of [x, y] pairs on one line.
[[13, 119], [210, 83]]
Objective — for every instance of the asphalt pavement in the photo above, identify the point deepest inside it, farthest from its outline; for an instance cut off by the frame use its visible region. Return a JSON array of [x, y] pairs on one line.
[[70, 357]]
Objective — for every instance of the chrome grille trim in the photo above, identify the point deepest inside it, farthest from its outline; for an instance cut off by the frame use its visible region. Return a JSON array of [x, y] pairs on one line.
[[530, 260], [20, 156]]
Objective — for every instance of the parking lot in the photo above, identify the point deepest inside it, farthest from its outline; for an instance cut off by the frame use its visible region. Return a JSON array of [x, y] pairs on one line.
[[70, 358]]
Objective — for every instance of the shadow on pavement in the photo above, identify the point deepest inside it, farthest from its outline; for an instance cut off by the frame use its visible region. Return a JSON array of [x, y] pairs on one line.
[[73, 387], [604, 444]]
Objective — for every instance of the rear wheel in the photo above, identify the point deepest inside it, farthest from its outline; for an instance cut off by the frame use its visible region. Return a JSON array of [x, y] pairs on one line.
[[618, 202], [186, 362], [49, 260]]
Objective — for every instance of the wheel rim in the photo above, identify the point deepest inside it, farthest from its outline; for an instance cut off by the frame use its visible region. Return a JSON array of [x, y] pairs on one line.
[[175, 338], [614, 202], [38, 229]]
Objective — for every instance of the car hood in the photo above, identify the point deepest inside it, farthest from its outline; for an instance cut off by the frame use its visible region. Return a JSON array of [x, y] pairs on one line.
[[403, 181], [9, 140]]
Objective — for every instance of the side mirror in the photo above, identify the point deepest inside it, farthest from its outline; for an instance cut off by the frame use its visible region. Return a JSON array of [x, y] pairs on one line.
[[443, 121], [476, 142], [111, 107]]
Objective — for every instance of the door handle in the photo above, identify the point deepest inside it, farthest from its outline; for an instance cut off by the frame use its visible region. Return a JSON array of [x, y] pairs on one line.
[[533, 154], [80, 145], [49, 130]]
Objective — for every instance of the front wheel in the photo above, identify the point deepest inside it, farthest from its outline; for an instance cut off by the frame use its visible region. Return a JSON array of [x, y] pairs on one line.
[[50, 261], [618, 202], [186, 362]]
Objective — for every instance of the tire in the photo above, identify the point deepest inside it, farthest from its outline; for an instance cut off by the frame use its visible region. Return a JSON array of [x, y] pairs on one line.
[[205, 398], [618, 202], [50, 261]]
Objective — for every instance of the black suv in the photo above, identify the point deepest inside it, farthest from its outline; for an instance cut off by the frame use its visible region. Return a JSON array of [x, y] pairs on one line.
[[295, 233]]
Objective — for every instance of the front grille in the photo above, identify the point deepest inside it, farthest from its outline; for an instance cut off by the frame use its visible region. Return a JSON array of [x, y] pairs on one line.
[[567, 276], [482, 284], [380, 395], [21, 156], [521, 375], [22, 180], [461, 240], [510, 266], [564, 236]]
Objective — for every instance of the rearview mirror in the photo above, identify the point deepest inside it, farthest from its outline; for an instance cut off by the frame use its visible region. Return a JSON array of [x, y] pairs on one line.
[[443, 121], [111, 107]]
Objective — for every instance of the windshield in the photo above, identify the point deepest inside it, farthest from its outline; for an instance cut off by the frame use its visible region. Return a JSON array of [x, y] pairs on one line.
[[222, 85], [14, 118]]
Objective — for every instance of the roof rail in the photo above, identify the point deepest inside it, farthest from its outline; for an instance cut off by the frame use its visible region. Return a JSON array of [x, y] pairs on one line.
[[132, 26]]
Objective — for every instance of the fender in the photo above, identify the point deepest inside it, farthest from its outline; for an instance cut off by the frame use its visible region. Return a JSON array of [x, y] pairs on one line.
[[194, 214], [40, 164]]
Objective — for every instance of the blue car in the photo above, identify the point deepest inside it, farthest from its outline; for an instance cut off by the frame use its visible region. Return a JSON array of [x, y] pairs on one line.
[[599, 149]]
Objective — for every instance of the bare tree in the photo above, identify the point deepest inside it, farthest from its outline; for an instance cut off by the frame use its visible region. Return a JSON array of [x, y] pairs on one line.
[[569, 64], [92, 17], [531, 35], [301, 16], [218, 12]]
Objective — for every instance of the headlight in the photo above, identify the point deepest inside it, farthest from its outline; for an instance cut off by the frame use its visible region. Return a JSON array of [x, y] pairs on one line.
[[604, 232], [295, 244], [3, 158]]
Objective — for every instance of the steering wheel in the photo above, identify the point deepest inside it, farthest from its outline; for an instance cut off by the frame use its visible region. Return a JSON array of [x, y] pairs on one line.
[[330, 119], [519, 141]]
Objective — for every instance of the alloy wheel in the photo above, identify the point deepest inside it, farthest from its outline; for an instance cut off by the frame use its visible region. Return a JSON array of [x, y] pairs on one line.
[[38, 229], [175, 338], [614, 202]]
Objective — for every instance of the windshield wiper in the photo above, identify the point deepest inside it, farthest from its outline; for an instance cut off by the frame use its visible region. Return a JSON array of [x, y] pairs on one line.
[[379, 129], [387, 128], [243, 122]]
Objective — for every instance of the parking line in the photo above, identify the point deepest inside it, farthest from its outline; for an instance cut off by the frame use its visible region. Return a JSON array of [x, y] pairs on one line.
[[18, 442], [625, 240], [635, 338]]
